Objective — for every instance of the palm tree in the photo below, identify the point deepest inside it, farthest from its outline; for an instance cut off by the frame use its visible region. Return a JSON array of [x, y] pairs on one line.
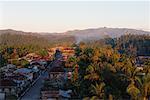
[[133, 91], [138, 87], [133, 77], [131, 73], [71, 62], [98, 90], [145, 89], [128, 67], [92, 74]]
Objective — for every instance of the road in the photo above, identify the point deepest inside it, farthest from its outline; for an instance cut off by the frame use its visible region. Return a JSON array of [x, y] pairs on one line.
[[34, 91]]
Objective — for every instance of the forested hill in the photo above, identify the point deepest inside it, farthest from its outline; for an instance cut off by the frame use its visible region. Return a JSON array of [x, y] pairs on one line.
[[135, 38], [15, 38], [11, 31], [9, 39], [103, 32], [138, 45]]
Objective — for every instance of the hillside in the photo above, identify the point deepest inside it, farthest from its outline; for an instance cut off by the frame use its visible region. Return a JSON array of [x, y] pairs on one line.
[[11, 37], [79, 35], [99, 33]]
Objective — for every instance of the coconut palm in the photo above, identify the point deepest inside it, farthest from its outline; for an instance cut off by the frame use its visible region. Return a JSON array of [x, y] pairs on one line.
[[131, 73], [98, 90], [133, 91], [92, 74], [145, 89]]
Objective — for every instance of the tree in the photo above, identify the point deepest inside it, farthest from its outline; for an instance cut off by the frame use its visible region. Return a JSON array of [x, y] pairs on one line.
[[145, 88], [91, 73], [71, 62], [133, 91], [43, 53], [98, 90], [24, 63]]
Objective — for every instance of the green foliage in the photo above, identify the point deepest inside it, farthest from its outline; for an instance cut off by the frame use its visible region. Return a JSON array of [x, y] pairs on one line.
[[43, 52], [21, 40], [105, 71], [133, 45], [146, 86], [98, 90], [133, 91], [147, 63], [16, 62], [24, 63], [99, 65]]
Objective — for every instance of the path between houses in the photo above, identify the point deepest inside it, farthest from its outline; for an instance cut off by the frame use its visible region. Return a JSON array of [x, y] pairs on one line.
[[34, 91]]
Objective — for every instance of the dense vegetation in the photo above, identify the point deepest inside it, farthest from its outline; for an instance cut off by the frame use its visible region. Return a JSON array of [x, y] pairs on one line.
[[22, 41], [103, 69], [14, 46], [104, 73], [135, 45]]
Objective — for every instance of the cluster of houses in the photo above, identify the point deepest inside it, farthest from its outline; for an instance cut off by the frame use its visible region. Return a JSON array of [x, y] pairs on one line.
[[14, 81], [56, 86]]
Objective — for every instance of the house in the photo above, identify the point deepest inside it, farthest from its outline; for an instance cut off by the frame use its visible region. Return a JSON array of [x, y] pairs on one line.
[[8, 67], [21, 80], [8, 86], [50, 95], [25, 71], [55, 94], [56, 70], [14, 85]]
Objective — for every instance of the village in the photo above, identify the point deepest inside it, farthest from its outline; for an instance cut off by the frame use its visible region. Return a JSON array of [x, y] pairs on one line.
[[48, 75]]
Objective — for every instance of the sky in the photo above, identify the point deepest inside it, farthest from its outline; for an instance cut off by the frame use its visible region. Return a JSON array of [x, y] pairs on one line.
[[61, 16]]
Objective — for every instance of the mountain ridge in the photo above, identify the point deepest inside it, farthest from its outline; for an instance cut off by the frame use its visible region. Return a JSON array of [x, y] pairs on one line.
[[81, 35]]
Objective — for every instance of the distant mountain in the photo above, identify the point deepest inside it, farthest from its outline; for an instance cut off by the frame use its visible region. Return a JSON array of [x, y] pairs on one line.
[[81, 35], [98, 33], [12, 37], [11, 31]]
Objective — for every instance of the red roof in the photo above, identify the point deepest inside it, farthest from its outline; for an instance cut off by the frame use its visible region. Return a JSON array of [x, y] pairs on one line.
[[7, 82]]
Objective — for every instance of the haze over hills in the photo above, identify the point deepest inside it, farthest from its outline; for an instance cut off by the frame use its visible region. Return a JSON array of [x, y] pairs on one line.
[[98, 33], [80, 35]]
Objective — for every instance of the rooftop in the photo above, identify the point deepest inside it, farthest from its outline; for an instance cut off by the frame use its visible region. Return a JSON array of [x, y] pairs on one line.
[[7, 82], [23, 70]]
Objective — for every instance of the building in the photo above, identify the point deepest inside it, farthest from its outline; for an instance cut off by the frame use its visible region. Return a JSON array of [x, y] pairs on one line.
[[56, 70], [9, 87], [26, 72]]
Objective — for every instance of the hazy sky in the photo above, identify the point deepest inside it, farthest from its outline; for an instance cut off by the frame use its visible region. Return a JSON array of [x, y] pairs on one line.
[[60, 16]]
